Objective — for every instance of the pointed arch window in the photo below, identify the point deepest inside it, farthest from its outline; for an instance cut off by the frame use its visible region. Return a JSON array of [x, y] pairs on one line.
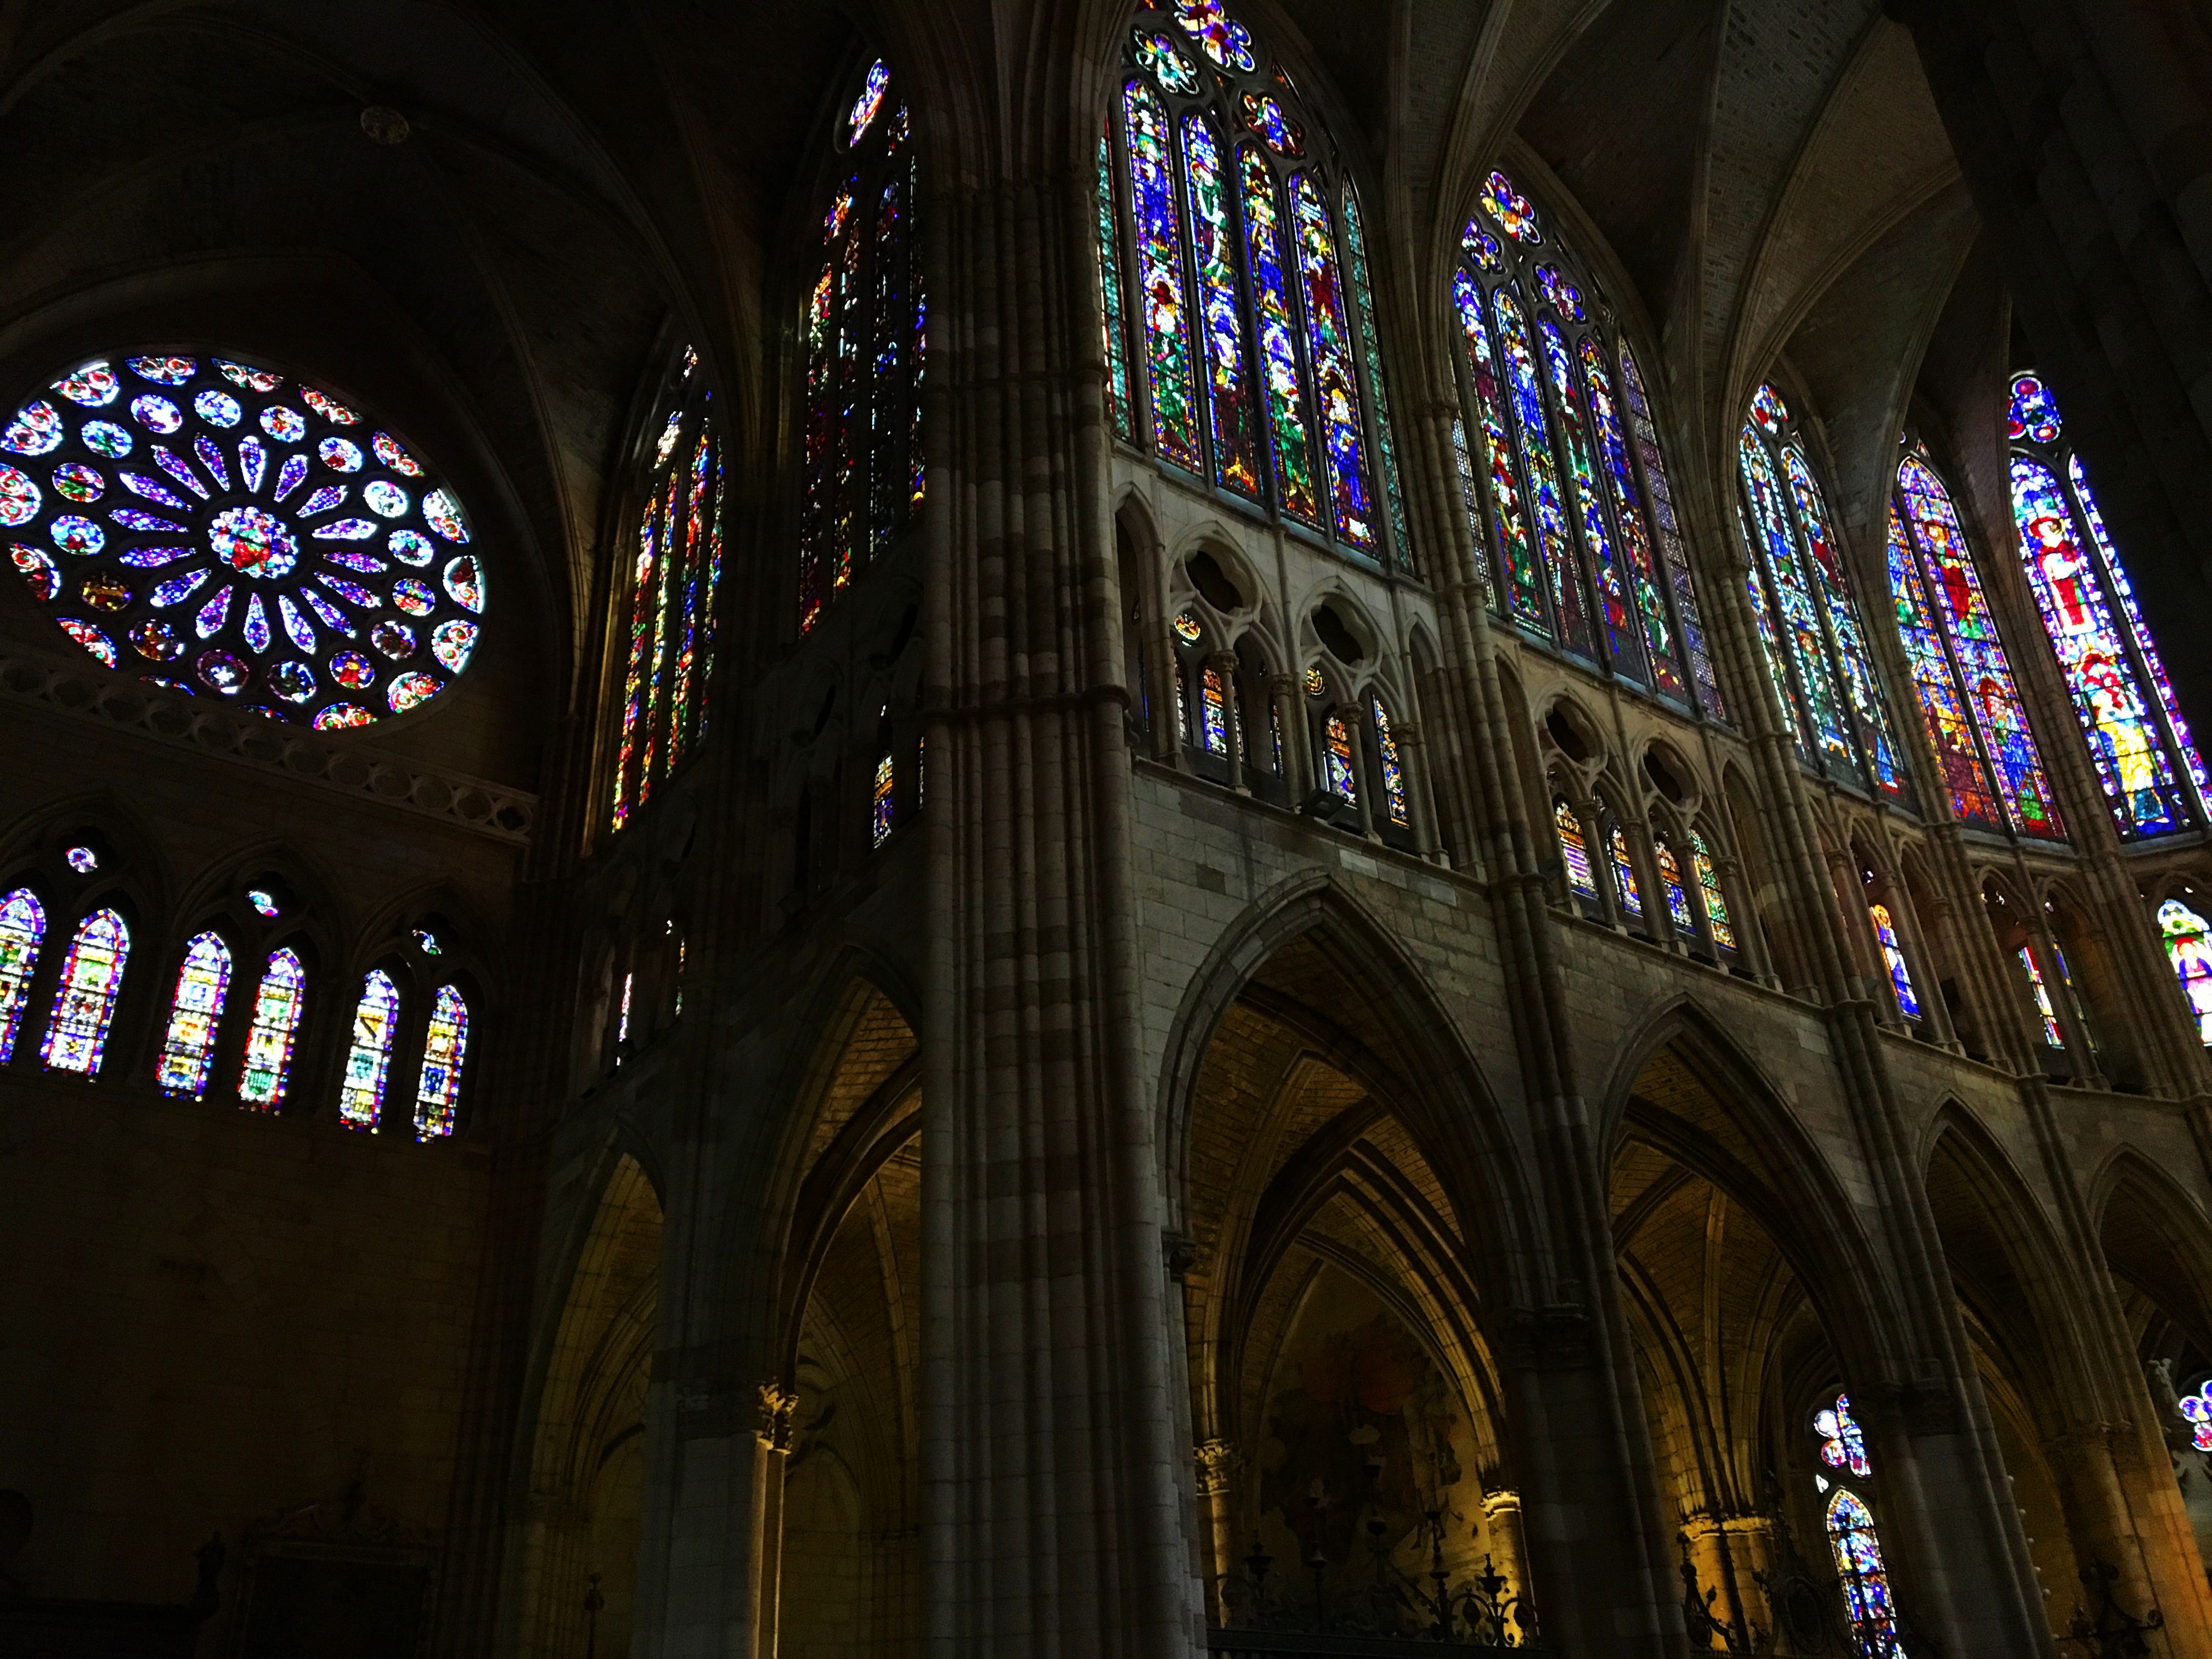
[[863, 339], [1336, 760], [1958, 664], [1394, 773], [2189, 948], [1624, 873], [2153, 779], [883, 803], [195, 1014], [85, 1002], [1852, 1540], [369, 1058], [1670, 879], [278, 1003], [1892, 957], [2037, 989], [445, 1051], [1573, 850], [1588, 554], [1709, 889], [1809, 629], [1252, 308], [23, 929], [666, 600]]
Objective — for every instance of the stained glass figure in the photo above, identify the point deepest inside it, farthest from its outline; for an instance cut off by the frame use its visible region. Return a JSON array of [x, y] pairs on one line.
[[1842, 1445], [1935, 682], [2196, 1407], [2189, 948], [22, 928], [1228, 354], [668, 597], [1970, 631], [860, 372], [1533, 429], [881, 805], [1670, 880], [277, 1007], [2052, 1033], [1213, 713], [1709, 889], [1393, 774], [1336, 758], [1785, 604], [445, 1051], [1624, 874], [1769, 411], [1109, 291], [369, 1058], [1572, 850], [84, 1001], [205, 483], [1865, 1582], [1522, 595], [1277, 341], [1893, 955], [195, 1011]]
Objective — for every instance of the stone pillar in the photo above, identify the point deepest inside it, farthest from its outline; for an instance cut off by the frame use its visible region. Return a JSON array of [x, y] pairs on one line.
[[1420, 799], [1224, 666], [773, 1436], [1508, 1546], [1285, 691], [1585, 809], [1219, 1464], [1730, 1551]]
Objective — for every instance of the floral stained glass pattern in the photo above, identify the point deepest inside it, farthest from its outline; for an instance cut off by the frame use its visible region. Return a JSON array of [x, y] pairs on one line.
[[1971, 632], [1164, 301], [1935, 686], [195, 1011], [2041, 994], [369, 1058], [1624, 643], [1536, 435], [1287, 419], [84, 1001], [1234, 440], [1221, 37], [2129, 752], [1709, 891], [1893, 956], [23, 929], [277, 1005], [1573, 851], [444, 1051], [1624, 873], [1110, 293], [1344, 443], [1522, 596], [2032, 414], [2189, 948], [1393, 774], [267, 590]]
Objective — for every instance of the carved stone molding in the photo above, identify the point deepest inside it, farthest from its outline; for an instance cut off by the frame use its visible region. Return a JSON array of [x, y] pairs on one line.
[[1219, 1463], [776, 1405], [208, 728]]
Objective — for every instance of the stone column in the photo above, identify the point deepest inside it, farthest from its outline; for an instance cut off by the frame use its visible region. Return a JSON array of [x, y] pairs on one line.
[[1507, 1546], [1219, 1464], [1730, 1553], [1285, 691], [1420, 799], [1223, 665], [773, 1437]]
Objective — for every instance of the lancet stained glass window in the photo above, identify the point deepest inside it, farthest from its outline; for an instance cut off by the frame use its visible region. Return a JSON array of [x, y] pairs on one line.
[[1892, 957], [1394, 773], [1981, 679], [1261, 347], [665, 604], [1624, 873], [1573, 850], [194, 1012], [23, 929], [369, 1057], [2041, 994], [278, 1003], [1852, 1540], [225, 532], [863, 330], [1709, 889], [1670, 879], [881, 803], [84, 1001], [445, 1050], [1809, 628], [1576, 481], [1337, 764], [2189, 948], [1110, 300], [2153, 779]]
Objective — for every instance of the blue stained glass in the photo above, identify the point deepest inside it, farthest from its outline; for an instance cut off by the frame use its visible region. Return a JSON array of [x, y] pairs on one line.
[[1621, 480], [1227, 356], [1523, 594], [1328, 332], [1580, 882], [1893, 956], [1670, 878], [1535, 433], [1110, 290], [1855, 661], [1935, 687], [1160, 276], [1355, 266], [1624, 873], [1286, 398], [1822, 734], [1624, 641], [84, 1001], [1678, 580], [1857, 1551]]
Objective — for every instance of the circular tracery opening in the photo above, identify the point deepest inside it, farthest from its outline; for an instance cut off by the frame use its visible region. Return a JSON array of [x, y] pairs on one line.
[[235, 533]]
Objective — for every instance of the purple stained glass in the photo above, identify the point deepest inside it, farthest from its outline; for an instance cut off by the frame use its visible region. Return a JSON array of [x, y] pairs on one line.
[[1287, 419], [1160, 276], [1523, 596], [1624, 643], [1536, 435], [2032, 414], [1235, 440], [1276, 129], [1510, 209], [1222, 37]]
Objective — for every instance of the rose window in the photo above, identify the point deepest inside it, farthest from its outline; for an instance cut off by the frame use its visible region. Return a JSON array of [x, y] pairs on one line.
[[224, 531]]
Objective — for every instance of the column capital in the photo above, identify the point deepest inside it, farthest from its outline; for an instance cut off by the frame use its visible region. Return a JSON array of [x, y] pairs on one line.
[[776, 1405], [1218, 1465]]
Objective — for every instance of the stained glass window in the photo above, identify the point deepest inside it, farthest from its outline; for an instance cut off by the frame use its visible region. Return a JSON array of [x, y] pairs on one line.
[[2073, 995], [2145, 757], [1935, 686], [1110, 293], [277, 1007], [1624, 874], [224, 531], [1810, 630], [1269, 325], [862, 329], [1562, 423], [2052, 1033], [195, 1011], [369, 1058], [1709, 889], [1336, 758], [22, 928], [881, 804], [666, 601], [1893, 956], [84, 1001], [2189, 948], [1393, 774], [445, 1049], [1213, 709], [1670, 880], [1865, 1582], [1981, 679], [1574, 851], [1842, 1444]]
